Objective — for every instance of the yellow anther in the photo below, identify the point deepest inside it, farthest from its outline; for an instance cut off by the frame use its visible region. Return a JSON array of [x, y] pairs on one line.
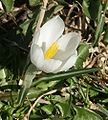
[[52, 50]]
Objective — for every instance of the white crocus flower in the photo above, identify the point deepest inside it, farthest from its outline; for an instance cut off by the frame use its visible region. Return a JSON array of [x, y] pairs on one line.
[[51, 51]]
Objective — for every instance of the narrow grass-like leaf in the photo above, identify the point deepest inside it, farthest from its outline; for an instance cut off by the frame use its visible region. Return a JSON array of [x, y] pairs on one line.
[[22, 94], [100, 22], [103, 110], [65, 75], [91, 8], [99, 29], [29, 76]]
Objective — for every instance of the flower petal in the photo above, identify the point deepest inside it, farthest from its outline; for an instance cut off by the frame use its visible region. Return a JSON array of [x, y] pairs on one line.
[[63, 55], [36, 56], [51, 65], [68, 63], [69, 40], [51, 31], [67, 45], [36, 37]]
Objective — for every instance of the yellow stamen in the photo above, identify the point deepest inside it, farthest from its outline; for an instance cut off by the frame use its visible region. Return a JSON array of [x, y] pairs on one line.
[[52, 50]]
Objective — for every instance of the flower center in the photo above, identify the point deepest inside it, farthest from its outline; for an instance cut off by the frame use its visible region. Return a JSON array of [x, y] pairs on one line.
[[52, 50]]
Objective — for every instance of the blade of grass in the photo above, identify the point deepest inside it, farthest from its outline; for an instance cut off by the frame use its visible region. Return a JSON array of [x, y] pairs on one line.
[[101, 21], [65, 75], [103, 110], [99, 30]]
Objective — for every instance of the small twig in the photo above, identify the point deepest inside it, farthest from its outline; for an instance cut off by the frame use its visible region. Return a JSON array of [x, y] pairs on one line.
[[41, 15], [35, 103], [69, 13]]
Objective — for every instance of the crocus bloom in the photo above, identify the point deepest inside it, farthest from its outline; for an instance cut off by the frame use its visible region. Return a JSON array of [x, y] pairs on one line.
[[51, 51]]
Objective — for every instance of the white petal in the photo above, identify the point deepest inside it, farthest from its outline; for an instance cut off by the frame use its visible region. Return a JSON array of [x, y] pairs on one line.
[[36, 56], [63, 55], [69, 41], [51, 65], [68, 63], [51, 31], [36, 37]]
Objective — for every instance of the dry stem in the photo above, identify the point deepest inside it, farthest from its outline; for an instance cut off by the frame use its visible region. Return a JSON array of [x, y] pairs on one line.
[[41, 15], [35, 103]]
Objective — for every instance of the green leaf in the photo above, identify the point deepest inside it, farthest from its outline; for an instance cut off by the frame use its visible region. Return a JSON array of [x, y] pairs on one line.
[[91, 8], [25, 26], [65, 109], [93, 93], [58, 8], [1, 104], [102, 109], [22, 94], [34, 2], [28, 78], [2, 74], [35, 92], [48, 108], [57, 98], [83, 52], [84, 114], [99, 29], [8, 4], [60, 76], [85, 6]]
